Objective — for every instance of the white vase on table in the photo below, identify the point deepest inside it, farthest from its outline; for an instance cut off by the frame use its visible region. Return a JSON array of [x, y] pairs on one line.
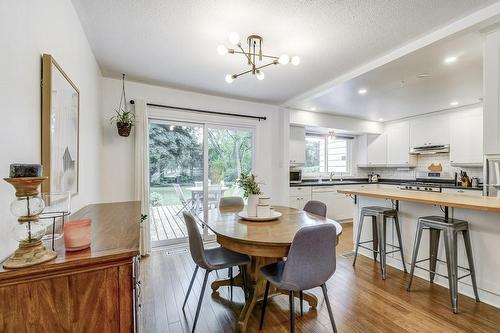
[[253, 200]]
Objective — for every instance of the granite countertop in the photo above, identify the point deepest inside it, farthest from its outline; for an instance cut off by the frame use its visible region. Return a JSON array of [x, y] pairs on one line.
[[356, 181]]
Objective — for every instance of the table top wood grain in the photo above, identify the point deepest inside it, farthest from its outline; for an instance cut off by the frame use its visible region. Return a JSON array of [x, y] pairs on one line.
[[115, 237], [490, 204], [226, 223]]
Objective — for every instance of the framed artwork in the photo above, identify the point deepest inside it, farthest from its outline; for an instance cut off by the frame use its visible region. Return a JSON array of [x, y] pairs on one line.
[[60, 122]]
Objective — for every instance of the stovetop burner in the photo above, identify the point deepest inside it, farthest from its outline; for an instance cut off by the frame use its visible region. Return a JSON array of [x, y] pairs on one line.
[[421, 186]]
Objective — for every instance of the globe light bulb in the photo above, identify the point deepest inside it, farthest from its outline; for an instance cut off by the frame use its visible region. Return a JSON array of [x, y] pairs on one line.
[[234, 38], [260, 75], [295, 60], [229, 78], [284, 59], [221, 50]]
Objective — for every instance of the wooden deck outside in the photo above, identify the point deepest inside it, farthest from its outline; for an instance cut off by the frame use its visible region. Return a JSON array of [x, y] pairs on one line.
[[166, 225]]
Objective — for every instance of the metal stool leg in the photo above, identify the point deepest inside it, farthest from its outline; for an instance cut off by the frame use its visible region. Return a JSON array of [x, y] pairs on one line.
[[450, 242], [375, 237], [433, 251], [381, 243], [472, 269], [358, 237], [416, 245], [400, 241]]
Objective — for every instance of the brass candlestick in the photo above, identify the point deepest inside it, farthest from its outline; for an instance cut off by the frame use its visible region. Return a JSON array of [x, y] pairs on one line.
[[27, 206]]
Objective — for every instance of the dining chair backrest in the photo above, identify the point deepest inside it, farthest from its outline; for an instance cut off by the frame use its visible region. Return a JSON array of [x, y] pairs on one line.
[[231, 202], [311, 260], [315, 207], [195, 241], [179, 193]]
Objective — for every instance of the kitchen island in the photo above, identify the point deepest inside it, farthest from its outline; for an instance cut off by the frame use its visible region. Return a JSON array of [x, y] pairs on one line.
[[482, 213]]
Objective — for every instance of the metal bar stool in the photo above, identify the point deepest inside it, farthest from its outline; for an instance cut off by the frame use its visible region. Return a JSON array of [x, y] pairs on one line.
[[450, 228], [379, 217]]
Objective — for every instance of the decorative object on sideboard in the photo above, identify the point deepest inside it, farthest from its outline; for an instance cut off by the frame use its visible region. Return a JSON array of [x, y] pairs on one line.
[[124, 118], [57, 209], [25, 170], [253, 56], [77, 235], [27, 206], [435, 167], [60, 128], [251, 190]]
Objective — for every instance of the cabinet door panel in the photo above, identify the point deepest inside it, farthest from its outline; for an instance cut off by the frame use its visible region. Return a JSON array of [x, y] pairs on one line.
[[377, 149], [398, 143], [466, 138], [428, 131], [297, 145]]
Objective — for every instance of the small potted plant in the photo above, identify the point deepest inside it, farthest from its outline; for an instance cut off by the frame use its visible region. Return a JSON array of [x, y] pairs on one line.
[[251, 190], [124, 118]]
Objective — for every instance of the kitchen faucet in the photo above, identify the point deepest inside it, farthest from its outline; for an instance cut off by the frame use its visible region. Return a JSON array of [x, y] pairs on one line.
[[333, 173]]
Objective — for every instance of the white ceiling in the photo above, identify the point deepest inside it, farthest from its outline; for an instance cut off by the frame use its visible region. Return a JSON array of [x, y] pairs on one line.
[[173, 43], [394, 91]]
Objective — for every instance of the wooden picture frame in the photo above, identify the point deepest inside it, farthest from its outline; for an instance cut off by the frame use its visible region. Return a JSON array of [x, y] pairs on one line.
[[60, 129]]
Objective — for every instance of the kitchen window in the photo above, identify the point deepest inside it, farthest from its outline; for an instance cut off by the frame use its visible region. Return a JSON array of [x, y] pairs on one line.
[[325, 154]]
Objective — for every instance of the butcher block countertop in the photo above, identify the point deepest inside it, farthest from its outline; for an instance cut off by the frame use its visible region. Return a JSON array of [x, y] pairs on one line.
[[490, 204], [115, 237]]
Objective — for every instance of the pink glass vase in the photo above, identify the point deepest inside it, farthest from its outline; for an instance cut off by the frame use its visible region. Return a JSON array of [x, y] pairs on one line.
[[77, 235]]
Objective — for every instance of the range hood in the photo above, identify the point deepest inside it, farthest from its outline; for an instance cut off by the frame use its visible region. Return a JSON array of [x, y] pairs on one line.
[[430, 149]]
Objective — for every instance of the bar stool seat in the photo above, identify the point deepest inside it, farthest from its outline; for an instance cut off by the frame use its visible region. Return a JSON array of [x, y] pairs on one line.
[[450, 227], [379, 217]]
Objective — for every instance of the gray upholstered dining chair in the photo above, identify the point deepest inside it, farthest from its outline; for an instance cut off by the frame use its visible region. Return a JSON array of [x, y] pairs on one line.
[[209, 260], [231, 202], [310, 263], [315, 207]]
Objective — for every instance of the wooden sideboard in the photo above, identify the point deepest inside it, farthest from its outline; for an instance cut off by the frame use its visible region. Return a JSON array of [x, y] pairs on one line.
[[86, 291]]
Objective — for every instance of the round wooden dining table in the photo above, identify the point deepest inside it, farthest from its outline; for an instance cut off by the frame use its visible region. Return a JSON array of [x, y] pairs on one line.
[[265, 243]]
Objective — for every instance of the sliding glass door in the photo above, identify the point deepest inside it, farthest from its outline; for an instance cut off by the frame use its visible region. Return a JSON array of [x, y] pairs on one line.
[[191, 167], [176, 178]]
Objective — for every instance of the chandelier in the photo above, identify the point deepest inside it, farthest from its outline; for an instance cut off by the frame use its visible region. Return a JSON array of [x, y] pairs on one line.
[[254, 56]]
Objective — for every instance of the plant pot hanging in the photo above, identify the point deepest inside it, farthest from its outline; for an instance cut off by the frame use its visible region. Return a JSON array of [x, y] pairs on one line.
[[124, 118]]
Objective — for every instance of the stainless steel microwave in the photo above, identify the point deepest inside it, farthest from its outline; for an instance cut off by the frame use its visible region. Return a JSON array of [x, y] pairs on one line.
[[295, 176]]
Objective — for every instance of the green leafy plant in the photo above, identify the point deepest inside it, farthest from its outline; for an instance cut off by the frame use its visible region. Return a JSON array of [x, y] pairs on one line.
[[144, 217], [248, 184], [155, 199], [123, 116]]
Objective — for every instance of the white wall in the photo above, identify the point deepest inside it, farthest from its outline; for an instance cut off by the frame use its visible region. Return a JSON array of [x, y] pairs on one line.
[[118, 152], [28, 29], [345, 124]]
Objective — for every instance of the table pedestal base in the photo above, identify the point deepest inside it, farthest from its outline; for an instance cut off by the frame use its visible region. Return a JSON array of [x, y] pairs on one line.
[[256, 285]]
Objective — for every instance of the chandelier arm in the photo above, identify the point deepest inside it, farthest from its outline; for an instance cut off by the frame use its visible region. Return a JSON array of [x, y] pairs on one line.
[[257, 68], [246, 54], [250, 54]]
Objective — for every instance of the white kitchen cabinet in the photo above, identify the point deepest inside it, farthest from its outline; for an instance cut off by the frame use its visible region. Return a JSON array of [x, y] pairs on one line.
[[339, 206], [297, 145], [398, 144], [376, 150], [430, 131], [463, 191], [299, 195], [466, 138]]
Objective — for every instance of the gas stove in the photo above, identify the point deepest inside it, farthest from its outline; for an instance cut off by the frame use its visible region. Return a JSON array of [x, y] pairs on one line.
[[421, 186]]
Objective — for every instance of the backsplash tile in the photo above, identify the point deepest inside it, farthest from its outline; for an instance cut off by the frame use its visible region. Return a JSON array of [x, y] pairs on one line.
[[423, 161]]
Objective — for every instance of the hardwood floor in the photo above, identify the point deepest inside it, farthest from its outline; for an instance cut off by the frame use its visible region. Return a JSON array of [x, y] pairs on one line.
[[361, 301]]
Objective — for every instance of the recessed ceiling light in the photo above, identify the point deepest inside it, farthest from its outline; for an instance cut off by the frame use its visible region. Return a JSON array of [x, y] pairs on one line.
[[313, 109], [380, 119], [454, 103], [362, 91], [450, 60], [423, 75]]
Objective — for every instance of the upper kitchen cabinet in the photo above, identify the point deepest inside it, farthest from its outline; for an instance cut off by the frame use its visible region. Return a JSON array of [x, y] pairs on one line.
[[430, 131], [297, 145], [466, 138], [398, 144], [376, 149]]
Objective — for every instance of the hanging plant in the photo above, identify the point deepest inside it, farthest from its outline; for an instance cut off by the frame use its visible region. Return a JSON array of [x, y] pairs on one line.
[[124, 118]]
